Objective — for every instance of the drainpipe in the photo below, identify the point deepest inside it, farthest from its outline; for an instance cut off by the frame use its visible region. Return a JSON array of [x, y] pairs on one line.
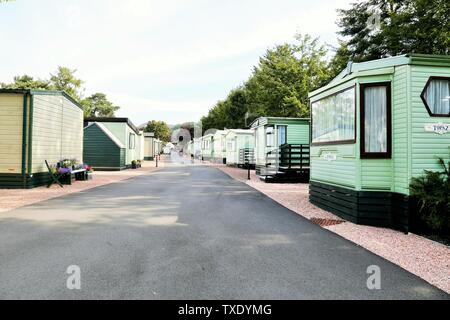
[[30, 138], [24, 139]]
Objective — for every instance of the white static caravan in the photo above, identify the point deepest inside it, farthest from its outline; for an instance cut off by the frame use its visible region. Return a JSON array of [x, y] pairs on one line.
[[190, 148], [158, 147], [195, 148], [219, 147], [149, 146], [207, 147], [168, 148], [140, 144], [237, 140]]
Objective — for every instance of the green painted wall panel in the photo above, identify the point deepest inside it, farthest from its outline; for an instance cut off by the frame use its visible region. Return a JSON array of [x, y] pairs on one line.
[[100, 151], [298, 132], [376, 174], [426, 147]]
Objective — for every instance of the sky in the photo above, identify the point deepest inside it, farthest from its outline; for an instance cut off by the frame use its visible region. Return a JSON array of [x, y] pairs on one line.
[[169, 60]]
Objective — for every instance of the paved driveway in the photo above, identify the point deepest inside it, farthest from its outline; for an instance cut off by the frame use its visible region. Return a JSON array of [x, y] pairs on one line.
[[185, 233]]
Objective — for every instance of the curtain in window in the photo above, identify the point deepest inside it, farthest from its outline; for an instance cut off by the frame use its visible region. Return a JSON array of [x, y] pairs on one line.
[[333, 117], [375, 122], [281, 135], [438, 96]]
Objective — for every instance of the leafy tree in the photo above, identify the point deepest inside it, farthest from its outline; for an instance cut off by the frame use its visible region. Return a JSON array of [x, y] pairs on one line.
[[401, 26], [340, 59], [27, 82], [278, 86], [65, 80], [237, 108], [285, 75], [160, 129], [97, 105]]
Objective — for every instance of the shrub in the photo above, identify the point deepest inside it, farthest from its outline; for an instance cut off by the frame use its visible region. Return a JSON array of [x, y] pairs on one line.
[[432, 191]]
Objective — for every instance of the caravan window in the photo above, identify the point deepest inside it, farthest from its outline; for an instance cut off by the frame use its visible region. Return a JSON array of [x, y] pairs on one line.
[[436, 96], [333, 118], [282, 135], [132, 141], [375, 120]]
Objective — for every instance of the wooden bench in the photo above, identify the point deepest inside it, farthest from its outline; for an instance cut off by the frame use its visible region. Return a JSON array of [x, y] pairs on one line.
[[74, 175]]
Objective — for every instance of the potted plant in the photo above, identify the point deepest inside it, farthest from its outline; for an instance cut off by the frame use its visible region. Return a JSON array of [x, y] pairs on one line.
[[89, 170], [134, 164], [431, 192]]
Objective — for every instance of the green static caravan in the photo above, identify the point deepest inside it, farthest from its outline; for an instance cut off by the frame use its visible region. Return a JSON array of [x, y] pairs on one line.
[[112, 143], [282, 148], [219, 147], [149, 146], [207, 147], [374, 127], [238, 140], [36, 126]]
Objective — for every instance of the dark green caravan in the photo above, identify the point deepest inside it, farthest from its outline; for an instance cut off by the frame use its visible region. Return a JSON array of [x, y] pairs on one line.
[[112, 144]]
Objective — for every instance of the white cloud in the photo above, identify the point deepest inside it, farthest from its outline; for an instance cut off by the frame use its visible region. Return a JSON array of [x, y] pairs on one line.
[[123, 47]]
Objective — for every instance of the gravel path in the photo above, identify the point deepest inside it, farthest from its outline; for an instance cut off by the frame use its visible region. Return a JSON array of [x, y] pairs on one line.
[[425, 258]]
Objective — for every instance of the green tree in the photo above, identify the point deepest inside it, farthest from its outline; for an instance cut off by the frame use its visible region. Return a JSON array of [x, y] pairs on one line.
[[160, 129], [340, 59], [278, 86], [285, 75], [97, 105], [65, 80], [382, 28], [27, 82]]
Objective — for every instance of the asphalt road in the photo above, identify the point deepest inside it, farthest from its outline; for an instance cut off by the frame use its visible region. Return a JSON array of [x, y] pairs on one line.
[[185, 233]]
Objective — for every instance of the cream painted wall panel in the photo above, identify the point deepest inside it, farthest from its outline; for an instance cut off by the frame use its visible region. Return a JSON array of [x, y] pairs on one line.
[[148, 147], [11, 113], [72, 132], [57, 131], [47, 121]]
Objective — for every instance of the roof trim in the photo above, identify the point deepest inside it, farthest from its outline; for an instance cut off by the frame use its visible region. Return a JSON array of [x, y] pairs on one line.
[[241, 131], [43, 93], [113, 119], [354, 70], [252, 125]]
